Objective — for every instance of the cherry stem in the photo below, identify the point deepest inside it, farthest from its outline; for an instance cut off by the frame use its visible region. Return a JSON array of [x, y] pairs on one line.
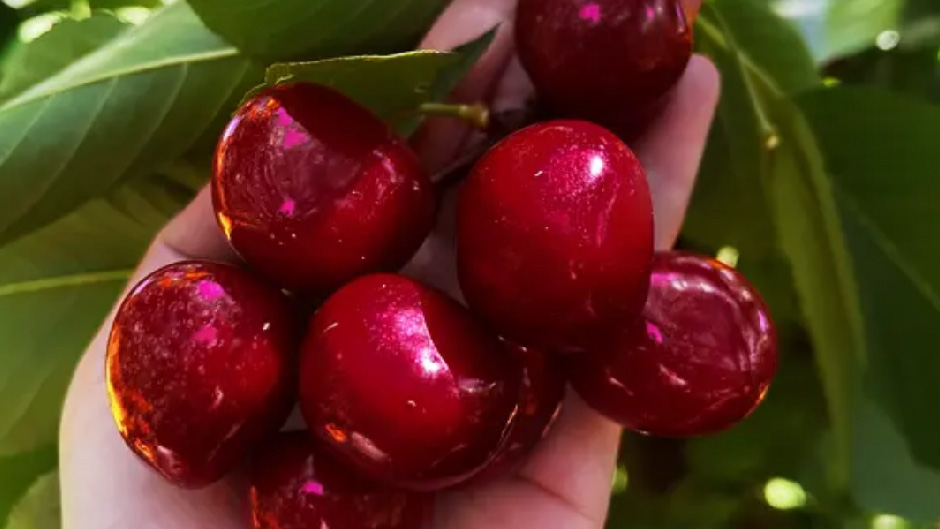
[[477, 115]]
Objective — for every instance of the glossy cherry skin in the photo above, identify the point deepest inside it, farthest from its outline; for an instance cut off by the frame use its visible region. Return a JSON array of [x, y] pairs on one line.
[[297, 485], [700, 362], [540, 397], [404, 384], [555, 235], [313, 190], [607, 61], [200, 366]]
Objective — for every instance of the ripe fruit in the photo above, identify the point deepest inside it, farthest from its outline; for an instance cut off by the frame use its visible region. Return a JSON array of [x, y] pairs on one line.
[[404, 384], [312, 190], [701, 361], [555, 235], [540, 396], [608, 61], [199, 367], [295, 485]]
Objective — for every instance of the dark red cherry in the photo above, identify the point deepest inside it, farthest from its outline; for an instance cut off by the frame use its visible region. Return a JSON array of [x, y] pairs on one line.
[[199, 368], [700, 362], [540, 397], [401, 381], [608, 61], [296, 485], [313, 190], [555, 235]]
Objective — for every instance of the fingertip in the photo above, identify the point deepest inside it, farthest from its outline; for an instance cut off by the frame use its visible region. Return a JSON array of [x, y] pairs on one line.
[[705, 74], [195, 234], [672, 148], [514, 90]]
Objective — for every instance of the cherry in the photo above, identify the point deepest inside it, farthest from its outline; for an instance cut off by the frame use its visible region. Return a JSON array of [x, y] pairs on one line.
[[313, 190], [555, 235], [199, 367], [404, 385], [296, 485], [701, 360], [540, 396], [608, 61]]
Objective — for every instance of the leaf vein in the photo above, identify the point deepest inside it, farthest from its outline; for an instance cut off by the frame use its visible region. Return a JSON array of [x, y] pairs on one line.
[[49, 182], [169, 62], [68, 281], [182, 73], [892, 252]]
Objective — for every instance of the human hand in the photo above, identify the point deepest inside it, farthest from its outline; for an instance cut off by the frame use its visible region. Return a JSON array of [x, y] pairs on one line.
[[565, 483]]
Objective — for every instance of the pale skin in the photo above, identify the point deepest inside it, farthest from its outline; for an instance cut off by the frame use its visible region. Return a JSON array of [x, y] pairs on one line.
[[565, 483]]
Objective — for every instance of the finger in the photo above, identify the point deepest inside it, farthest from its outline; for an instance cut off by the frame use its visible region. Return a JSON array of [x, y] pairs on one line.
[[194, 233], [576, 461], [671, 151], [440, 139], [514, 88]]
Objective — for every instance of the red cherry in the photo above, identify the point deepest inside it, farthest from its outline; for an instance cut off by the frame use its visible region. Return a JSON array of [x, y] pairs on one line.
[[313, 190], [199, 367], [295, 485], [608, 61], [404, 384], [540, 396], [700, 362], [555, 235]]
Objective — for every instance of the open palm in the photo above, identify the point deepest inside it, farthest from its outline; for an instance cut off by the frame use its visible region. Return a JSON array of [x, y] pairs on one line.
[[565, 483]]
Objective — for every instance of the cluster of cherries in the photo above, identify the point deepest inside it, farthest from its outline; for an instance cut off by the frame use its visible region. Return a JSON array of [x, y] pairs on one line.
[[405, 391]]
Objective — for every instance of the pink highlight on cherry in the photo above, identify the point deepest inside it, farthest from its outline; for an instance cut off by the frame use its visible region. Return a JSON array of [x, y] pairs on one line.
[[206, 333], [313, 487], [210, 290], [591, 12], [287, 207]]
